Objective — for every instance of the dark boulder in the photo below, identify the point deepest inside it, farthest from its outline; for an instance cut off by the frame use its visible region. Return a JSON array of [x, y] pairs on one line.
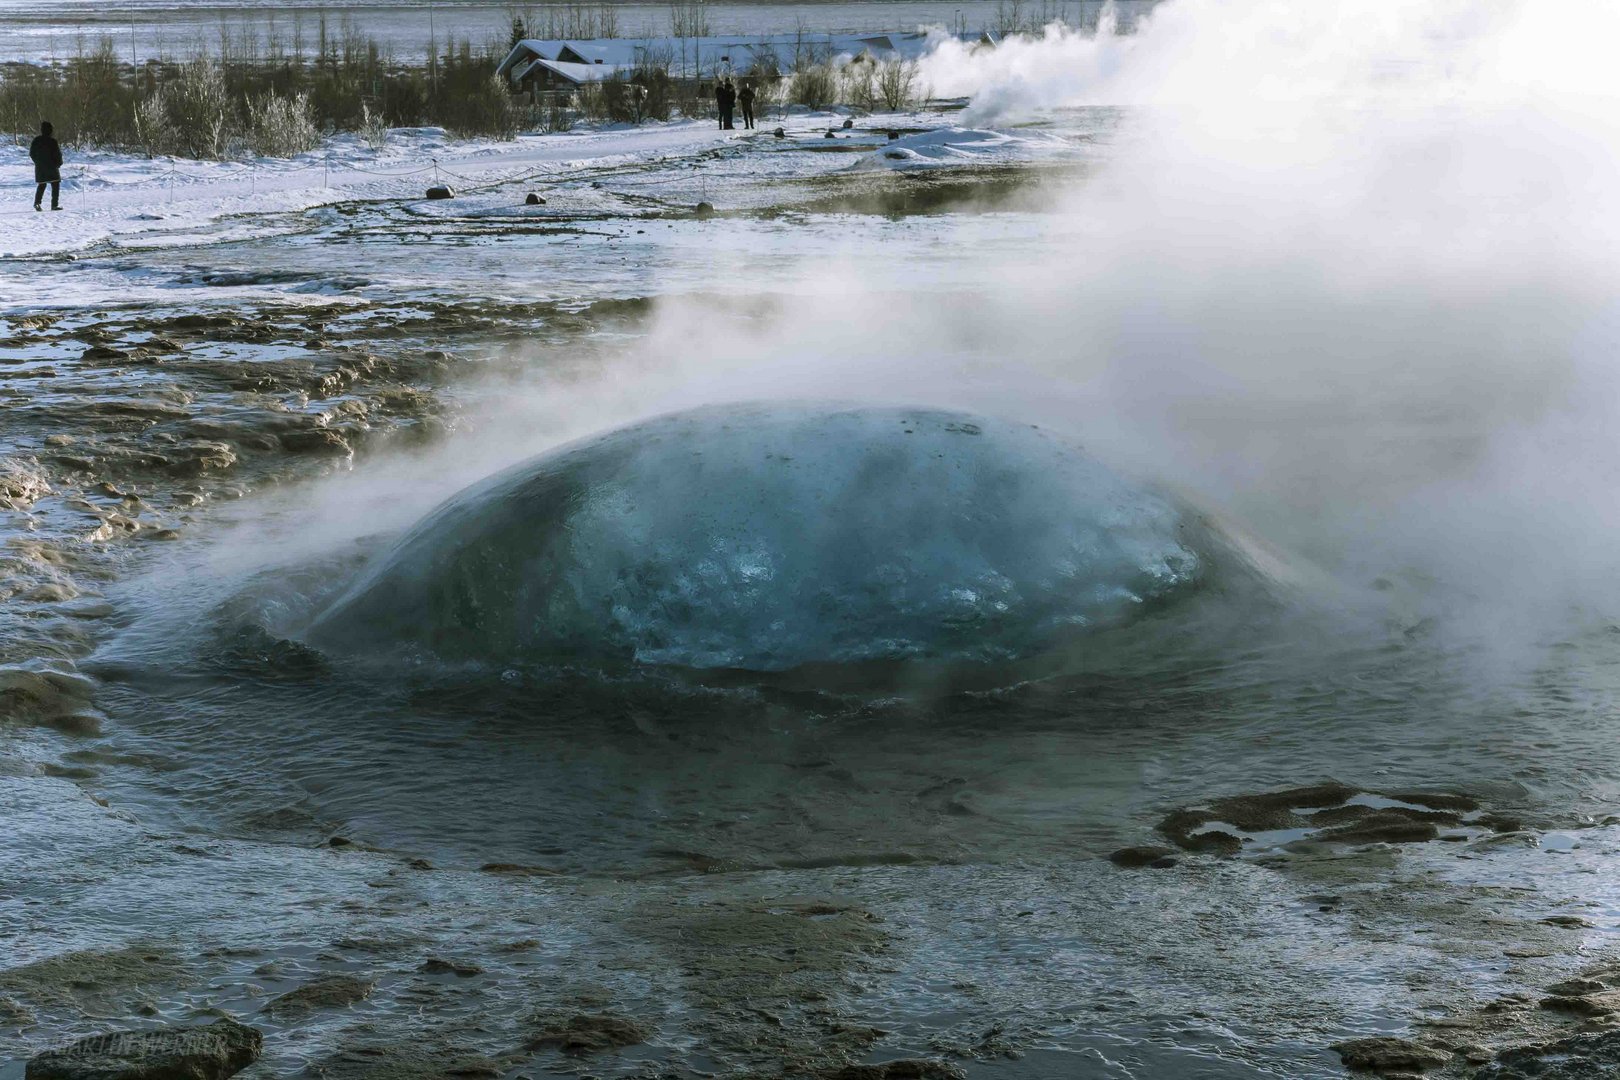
[[440, 191]]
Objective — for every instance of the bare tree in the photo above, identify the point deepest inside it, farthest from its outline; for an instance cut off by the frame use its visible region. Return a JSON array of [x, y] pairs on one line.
[[1009, 18], [860, 83], [897, 83], [689, 20]]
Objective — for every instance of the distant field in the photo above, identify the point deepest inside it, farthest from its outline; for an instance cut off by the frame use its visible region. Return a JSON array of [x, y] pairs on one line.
[[142, 29]]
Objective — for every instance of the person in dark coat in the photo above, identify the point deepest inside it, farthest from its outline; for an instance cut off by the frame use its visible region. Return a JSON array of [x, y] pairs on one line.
[[725, 97], [47, 155], [745, 98]]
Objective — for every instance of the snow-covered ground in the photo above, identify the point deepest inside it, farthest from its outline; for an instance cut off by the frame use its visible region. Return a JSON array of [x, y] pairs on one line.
[[136, 201], [125, 197]]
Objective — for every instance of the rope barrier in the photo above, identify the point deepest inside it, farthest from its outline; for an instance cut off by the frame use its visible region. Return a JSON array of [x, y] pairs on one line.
[[325, 164], [394, 175]]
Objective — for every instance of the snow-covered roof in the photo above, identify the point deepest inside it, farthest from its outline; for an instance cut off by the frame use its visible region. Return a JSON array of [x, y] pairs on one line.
[[574, 73]]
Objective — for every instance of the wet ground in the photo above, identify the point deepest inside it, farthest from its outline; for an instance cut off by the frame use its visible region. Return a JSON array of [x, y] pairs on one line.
[[425, 872]]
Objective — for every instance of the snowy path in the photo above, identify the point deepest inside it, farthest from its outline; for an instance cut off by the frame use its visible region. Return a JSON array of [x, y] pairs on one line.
[[117, 197]]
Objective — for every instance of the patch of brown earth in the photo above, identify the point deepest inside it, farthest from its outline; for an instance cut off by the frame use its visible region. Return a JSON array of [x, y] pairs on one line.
[[588, 1033]]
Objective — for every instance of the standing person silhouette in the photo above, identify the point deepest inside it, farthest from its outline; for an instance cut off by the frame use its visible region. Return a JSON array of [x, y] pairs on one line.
[[745, 98], [46, 153], [725, 97]]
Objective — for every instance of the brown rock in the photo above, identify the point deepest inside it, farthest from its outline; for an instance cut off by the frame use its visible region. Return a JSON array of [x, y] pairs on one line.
[[1389, 1055]]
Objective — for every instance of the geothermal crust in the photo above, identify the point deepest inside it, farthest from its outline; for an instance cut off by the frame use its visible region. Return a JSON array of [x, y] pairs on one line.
[[770, 536]]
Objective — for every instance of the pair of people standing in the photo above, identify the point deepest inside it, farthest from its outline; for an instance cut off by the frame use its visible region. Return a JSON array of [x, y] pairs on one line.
[[727, 97], [46, 153]]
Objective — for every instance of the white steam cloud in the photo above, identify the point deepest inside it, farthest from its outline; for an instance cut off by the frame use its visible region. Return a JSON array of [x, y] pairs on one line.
[[1348, 274]]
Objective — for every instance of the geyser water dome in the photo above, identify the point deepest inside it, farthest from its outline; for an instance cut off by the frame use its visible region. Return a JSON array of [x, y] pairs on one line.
[[769, 536]]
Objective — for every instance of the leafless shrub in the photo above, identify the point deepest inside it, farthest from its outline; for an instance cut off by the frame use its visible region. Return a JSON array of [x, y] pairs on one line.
[[151, 125], [197, 109], [815, 86], [655, 89], [483, 108], [373, 127], [551, 113], [614, 100], [281, 126]]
